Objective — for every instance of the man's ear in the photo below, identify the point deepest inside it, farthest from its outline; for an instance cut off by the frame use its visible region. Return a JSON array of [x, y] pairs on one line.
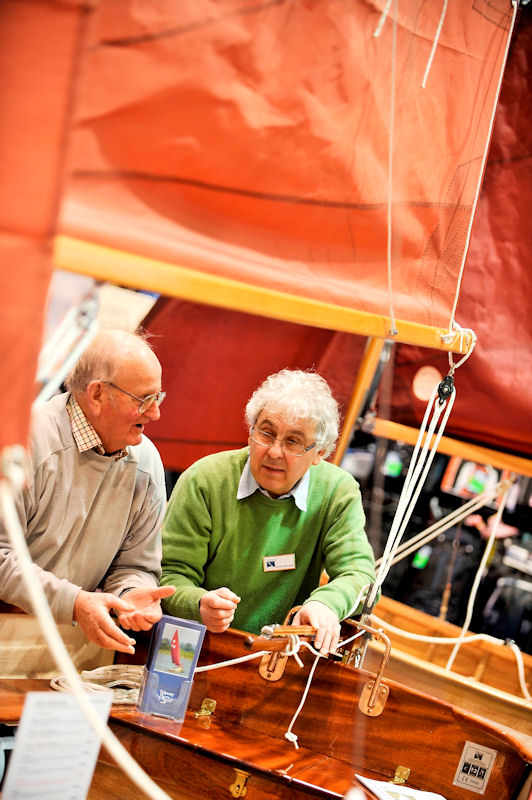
[[95, 397], [318, 457]]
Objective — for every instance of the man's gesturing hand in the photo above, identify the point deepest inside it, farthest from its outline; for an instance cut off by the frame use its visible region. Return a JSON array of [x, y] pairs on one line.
[[217, 609], [92, 613], [147, 607]]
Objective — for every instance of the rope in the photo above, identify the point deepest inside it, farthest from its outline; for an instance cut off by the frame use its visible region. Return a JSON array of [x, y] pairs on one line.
[[520, 669], [434, 44], [51, 634], [361, 597], [290, 735], [430, 533], [113, 678], [478, 576], [449, 337], [230, 663], [484, 158], [382, 20], [469, 639], [419, 466]]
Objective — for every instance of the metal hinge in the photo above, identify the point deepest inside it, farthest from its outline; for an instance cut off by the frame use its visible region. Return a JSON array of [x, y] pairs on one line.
[[238, 788]]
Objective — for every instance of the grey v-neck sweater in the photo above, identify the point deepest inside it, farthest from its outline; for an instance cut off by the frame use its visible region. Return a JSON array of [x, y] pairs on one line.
[[90, 521]]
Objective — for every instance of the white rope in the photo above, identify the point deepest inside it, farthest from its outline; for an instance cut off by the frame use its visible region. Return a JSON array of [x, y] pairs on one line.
[[469, 639], [382, 20], [56, 644], [445, 523], [481, 172], [393, 327], [419, 466], [232, 661], [113, 678], [434, 44], [520, 669], [290, 735], [478, 576], [419, 637], [449, 337], [361, 598]]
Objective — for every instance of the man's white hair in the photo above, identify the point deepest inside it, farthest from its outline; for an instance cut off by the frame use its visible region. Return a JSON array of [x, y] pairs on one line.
[[299, 396], [101, 359]]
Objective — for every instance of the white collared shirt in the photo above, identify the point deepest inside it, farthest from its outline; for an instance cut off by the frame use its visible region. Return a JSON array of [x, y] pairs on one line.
[[248, 485]]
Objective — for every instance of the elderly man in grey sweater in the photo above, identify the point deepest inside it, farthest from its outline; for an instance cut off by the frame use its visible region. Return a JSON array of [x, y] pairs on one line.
[[95, 501]]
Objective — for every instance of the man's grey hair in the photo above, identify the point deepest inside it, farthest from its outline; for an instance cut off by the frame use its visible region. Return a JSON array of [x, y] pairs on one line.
[[299, 395], [100, 360]]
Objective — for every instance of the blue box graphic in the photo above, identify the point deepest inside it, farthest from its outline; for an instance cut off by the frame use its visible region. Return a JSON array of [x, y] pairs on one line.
[[168, 675]]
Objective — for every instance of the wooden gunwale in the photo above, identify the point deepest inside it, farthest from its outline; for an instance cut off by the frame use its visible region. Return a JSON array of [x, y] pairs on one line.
[[336, 739], [487, 662]]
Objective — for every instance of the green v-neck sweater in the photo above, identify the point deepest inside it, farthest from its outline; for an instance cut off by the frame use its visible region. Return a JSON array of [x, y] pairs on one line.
[[211, 539]]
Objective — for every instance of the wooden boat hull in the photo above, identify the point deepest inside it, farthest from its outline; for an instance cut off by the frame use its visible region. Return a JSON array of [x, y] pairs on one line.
[[336, 739], [484, 677], [244, 739]]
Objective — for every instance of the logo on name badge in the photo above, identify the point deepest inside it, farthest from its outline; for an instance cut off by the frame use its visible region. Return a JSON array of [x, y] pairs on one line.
[[279, 563]]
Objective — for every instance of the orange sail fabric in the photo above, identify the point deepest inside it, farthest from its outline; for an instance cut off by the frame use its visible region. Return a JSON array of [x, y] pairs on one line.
[[250, 140], [39, 49], [493, 387]]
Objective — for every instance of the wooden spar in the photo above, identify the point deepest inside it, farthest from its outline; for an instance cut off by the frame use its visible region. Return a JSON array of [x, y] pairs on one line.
[[452, 447], [141, 272], [366, 371]]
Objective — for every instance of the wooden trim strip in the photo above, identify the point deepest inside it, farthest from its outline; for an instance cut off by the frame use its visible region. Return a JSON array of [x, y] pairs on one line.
[[141, 272], [452, 447]]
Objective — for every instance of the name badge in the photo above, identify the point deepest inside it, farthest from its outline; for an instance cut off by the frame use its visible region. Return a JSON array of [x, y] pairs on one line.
[[278, 563]]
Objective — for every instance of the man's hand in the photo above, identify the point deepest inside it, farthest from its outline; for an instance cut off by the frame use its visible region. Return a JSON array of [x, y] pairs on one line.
[[324, 620], [92, 613], [217, 609], [146, 602]]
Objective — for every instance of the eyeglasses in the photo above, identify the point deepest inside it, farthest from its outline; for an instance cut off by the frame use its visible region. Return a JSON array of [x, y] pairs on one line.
[[291, 447], [145, 402]]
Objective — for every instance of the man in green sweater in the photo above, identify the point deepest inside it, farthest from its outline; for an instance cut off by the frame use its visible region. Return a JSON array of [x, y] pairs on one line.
[[247, 533]]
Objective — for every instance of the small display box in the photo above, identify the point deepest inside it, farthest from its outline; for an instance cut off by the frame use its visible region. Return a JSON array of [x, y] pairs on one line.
[[168, 675]]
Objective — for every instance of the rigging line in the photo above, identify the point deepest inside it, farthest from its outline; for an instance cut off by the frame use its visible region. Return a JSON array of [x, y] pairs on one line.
[[393, 327], [14, 478], [469, 639], [484, 159], [446, 522], [382, 19], [292, 737], [376, 33], [231, 661], [417, 471], [449, 337], [434, 45], [520, 669], [478, 576]]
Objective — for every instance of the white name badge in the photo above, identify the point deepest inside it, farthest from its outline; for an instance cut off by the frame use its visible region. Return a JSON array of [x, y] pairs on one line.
[[278, 563]]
